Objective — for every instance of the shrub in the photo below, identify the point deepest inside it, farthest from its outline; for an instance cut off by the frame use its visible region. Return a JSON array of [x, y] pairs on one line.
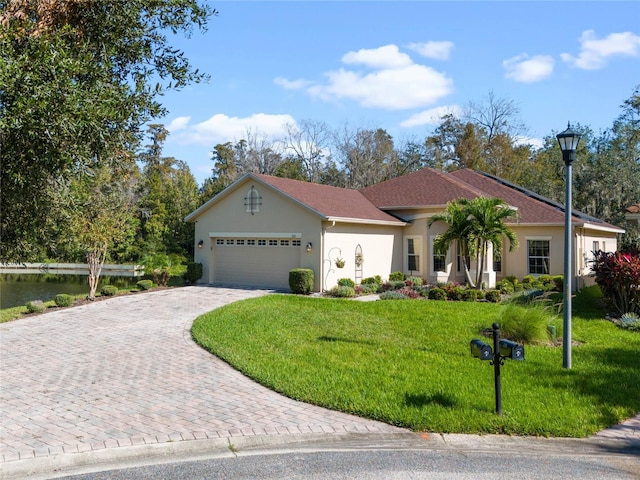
[[396, 284], [545, 279], [409, 292], [301, 280], [162, 267], [63, 300], [513, 279], [144, 284], [415, 281], [525, 324], [346, 282], [558, 281], [493, 296], [392, 295], [528, 279], [505, 286], [437, 293], [480, 294], [369, 288], [342, 291], [35, 306], [469, 295], [109, 290], [377, 280], [397, 277], [193, 273], [454, 292], [618, 276]]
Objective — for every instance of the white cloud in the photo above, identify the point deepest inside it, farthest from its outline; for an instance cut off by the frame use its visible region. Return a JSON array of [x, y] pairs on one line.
[[291, 84], [528, 70], [222, 128], [392, 81], [432, 116], [594, 52], [388, 56], [536, 143], [435, 50], [178, 123], [393, 89]]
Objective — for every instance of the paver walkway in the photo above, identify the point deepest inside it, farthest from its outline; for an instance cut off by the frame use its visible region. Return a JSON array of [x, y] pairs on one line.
[[125, 371]]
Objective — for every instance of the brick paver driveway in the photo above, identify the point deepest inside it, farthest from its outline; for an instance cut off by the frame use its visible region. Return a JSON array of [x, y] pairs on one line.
[[125, 371]]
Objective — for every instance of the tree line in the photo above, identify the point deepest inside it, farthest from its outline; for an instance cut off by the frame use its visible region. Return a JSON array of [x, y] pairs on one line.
[[487, 136]]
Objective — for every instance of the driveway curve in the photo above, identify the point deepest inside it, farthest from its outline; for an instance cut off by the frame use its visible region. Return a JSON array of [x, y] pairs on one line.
[[125, 371]]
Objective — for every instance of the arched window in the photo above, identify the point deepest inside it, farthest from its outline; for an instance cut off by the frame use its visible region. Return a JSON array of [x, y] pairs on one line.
[[252, 201]]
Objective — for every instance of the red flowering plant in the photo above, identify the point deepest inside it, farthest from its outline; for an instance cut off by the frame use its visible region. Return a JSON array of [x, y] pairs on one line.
[[618, 275]]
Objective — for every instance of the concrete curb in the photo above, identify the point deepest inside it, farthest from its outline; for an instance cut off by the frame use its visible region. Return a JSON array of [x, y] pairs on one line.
[[66, 464]]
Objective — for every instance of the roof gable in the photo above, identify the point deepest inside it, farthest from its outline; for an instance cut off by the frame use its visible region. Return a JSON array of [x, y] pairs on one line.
[[329, 203]]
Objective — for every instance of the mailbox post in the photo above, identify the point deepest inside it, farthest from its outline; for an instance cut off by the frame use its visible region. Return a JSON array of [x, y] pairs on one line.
[[502, 349]]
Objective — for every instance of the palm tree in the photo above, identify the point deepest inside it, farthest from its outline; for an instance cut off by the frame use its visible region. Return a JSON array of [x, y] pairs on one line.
[[456, 217], [475, 224]]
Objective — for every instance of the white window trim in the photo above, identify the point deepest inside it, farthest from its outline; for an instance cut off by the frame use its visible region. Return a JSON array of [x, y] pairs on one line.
[[419, 251], [547, 238], [447, 263]]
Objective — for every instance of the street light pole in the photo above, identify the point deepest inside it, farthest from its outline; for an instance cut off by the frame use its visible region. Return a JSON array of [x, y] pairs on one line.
[[568, 141]]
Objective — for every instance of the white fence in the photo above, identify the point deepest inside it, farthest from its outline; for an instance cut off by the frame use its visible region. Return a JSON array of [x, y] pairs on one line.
[[72, 269]]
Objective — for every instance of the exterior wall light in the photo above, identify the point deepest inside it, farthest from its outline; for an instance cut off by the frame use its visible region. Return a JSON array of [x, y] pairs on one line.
[[309, 247], [200, 243]]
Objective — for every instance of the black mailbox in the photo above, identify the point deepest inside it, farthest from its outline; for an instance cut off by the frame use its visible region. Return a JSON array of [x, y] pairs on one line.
[[512, 350], [481, 350]]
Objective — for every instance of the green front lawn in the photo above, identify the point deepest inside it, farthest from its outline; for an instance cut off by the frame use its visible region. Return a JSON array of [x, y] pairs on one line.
[[407, 363]]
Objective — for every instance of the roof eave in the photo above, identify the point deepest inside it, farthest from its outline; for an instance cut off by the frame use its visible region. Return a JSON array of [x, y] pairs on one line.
[[367, 221]]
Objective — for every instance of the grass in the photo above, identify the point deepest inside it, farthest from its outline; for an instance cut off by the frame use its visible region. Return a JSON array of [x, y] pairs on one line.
[[408, 364]]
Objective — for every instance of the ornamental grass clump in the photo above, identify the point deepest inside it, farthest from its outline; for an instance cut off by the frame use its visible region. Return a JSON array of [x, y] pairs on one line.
[[525, 324], [342, 291]]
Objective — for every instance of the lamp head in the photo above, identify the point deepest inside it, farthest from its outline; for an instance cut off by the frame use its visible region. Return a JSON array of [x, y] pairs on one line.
[[568, 141]]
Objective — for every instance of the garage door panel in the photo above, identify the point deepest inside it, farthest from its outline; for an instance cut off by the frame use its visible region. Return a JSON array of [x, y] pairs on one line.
[[266, 266]]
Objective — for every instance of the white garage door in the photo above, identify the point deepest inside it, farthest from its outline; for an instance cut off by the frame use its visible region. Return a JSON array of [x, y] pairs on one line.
[[258, 262]]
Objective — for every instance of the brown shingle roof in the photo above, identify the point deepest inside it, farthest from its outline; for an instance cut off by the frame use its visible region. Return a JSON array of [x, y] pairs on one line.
[[532, 208], [634, 208], [426, 187], [331, 202]]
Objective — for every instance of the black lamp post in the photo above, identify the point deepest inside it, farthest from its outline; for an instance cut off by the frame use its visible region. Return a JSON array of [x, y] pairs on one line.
[[568, 141]]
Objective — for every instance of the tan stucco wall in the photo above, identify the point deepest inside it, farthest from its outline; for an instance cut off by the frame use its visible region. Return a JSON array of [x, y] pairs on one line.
[[277, 215], [381, 248], [584, 251]]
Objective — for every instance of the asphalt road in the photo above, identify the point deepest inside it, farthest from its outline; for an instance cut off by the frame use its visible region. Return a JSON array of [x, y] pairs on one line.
[[385, 464]]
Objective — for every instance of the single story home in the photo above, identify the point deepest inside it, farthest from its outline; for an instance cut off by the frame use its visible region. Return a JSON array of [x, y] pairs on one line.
[[633, 213], [260, 227]]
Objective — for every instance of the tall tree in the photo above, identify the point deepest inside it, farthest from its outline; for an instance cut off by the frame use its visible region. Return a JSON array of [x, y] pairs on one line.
[[368, 156], [308, 142], [101, 213], [170, 192], [79, 78]]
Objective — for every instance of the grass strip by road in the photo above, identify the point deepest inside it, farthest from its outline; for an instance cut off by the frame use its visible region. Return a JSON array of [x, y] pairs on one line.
[[407, 363]]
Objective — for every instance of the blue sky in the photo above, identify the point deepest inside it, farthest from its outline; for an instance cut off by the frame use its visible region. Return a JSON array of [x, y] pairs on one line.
[[400, 66]]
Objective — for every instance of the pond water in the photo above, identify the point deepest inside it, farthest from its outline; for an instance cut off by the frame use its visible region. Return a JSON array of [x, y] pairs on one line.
[[18, 289]]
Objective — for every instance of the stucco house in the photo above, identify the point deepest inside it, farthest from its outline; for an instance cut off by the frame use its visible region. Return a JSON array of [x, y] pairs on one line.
[[633, 213], [260, 227]]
